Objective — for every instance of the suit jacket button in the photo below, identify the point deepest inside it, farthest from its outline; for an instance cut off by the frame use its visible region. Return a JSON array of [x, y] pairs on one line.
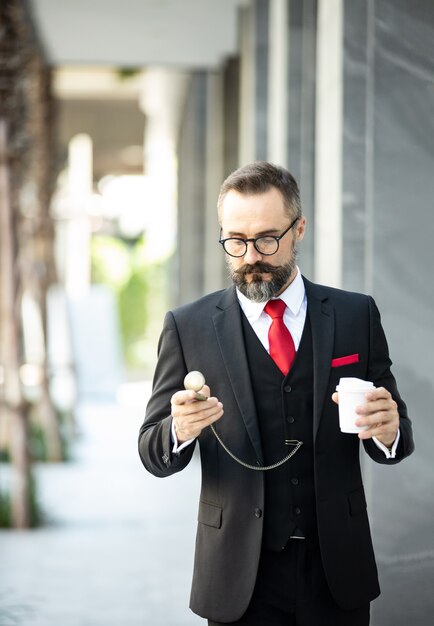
[[287, 388], [258, 513]]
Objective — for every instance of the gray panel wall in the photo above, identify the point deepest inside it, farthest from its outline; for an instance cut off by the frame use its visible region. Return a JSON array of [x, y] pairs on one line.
[[388, 250]]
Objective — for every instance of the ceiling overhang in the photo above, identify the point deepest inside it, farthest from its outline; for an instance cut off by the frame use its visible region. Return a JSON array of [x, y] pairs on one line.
[[135, 33]]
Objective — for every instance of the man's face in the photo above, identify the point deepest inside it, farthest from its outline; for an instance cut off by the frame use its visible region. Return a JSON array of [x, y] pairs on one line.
[[258, 276]]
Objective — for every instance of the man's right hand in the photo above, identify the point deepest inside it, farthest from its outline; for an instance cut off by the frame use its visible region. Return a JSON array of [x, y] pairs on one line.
[[191, 416]]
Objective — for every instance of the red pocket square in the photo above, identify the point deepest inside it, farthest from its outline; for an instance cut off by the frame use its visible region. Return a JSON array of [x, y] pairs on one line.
[[345, 360]]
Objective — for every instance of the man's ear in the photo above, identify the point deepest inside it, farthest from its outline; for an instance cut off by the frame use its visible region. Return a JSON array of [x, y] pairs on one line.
[[300, 228]]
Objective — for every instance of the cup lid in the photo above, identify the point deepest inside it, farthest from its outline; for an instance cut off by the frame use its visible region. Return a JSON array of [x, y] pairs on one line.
[[354, 384]]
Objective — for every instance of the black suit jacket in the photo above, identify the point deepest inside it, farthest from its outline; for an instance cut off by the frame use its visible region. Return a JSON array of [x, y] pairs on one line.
[[207, 336]]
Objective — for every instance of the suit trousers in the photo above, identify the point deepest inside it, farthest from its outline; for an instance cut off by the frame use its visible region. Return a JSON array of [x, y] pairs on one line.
[[291, 590]]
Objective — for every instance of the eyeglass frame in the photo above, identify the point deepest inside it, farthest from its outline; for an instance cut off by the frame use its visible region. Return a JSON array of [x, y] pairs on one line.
[[255, 239]]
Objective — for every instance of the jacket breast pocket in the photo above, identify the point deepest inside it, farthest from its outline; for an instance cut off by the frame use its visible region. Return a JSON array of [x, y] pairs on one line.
[[349, 359], [210, 514]]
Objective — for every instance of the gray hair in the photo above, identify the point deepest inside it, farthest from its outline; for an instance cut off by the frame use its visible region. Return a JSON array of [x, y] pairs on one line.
[[259, 177]]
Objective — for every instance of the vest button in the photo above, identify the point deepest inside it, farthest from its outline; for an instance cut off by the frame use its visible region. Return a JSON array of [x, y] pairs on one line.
[[294, 481], [297, 510], [290, 419], [287, 388], [258, 513]]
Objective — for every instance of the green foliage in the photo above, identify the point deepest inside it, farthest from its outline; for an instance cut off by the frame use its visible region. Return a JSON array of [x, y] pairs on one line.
[[139, 286], [5, 510], [37, 439], [110, 262], [4, 455], [37, 444], [37, 516], [124, 73], [66, 419], [132, 300]]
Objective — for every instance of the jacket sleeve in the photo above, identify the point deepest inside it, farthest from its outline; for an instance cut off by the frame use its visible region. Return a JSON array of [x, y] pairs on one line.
[[380, 373], [155, 442]]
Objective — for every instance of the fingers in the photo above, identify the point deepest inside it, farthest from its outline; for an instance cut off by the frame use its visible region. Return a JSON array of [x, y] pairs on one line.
[[380, 415], [191, 425], [185, 396], [191, 416]]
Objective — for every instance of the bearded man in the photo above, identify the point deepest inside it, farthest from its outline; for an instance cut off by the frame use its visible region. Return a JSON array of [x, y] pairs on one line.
[[283, 534]]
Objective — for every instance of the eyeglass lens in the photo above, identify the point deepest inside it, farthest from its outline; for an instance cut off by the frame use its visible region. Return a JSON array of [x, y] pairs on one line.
[[264, 245]]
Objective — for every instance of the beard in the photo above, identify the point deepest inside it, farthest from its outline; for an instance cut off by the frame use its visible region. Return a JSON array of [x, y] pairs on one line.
[[257, 289]]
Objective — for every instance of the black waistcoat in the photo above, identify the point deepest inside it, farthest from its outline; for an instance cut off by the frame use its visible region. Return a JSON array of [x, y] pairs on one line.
[[285, 411]]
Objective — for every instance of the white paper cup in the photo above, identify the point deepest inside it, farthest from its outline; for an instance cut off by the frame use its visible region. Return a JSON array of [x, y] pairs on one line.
[[351, 395]]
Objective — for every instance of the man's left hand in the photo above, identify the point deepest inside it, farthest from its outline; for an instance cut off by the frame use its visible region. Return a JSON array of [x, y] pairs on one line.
[[380, 414]]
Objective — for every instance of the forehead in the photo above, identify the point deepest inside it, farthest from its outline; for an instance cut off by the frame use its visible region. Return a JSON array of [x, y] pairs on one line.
[[253, 212]]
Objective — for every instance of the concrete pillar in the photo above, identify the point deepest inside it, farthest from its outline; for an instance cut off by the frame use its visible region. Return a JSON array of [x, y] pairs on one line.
[[73, 237], [214, 265], [300, 135], [277, 106], [247, 135], [328, 166], [261, 82], [192, 150], [231, 115]]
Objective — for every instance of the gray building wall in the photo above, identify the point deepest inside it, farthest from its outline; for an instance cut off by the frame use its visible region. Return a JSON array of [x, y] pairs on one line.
[[388, 223], [207, 153], [386, 131]]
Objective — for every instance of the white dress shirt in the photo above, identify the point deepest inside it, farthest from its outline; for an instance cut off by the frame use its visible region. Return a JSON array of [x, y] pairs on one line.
[[294, 318]]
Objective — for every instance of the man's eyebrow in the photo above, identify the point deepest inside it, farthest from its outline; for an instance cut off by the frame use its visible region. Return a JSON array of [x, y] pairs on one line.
[[269, 231]]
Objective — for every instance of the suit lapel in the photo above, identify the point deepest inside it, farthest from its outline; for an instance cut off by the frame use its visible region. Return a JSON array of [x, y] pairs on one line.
[[322, 321], [228, 328]]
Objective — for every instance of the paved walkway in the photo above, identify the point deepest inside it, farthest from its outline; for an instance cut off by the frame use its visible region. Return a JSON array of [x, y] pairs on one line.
[[117, 549]]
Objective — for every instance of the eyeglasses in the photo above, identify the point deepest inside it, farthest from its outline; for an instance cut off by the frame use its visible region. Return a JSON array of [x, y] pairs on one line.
[[268, 245]]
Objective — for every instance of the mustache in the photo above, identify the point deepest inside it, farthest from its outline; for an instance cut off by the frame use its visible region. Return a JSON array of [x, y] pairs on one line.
[[257, 268]]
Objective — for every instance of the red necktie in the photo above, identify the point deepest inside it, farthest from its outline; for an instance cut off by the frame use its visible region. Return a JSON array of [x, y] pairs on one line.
[[282, 349]]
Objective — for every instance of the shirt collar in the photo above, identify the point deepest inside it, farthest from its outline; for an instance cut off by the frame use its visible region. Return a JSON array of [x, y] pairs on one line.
[[293, 297]]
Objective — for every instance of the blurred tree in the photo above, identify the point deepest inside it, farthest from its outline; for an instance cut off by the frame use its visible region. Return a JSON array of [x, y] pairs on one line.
[[27, 261], [14, 408]]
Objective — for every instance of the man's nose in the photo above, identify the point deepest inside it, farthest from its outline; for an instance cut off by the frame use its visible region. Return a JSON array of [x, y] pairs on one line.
[[252, 255]]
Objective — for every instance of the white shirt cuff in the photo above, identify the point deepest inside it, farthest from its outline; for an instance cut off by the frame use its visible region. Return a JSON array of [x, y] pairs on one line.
[[178, 448], [390, 454]]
